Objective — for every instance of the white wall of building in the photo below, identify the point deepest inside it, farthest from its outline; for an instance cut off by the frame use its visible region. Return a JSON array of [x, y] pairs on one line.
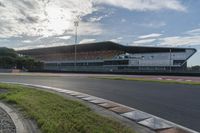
[[159, 59]]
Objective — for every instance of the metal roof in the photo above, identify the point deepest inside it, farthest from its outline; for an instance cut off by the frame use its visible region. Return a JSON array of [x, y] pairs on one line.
[[99, 46]]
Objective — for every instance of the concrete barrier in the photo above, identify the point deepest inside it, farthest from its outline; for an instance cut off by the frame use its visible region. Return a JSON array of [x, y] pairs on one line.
[[10, 70]]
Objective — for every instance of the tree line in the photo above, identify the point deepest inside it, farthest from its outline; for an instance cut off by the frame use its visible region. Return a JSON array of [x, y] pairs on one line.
[[10, 59]]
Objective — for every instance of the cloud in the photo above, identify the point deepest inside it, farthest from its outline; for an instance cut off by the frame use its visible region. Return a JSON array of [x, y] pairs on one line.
[[4, 40], [105, 13], [40, 46], [88, 28], [64, 37], [188, 38], [123, 20], [55, 17], [153, 24], [1, 4], [52, 21], [153, 35], [45, 18], [180, 41], [26, 41], [145, 5], [96, 19], [117, 40], [193, 32], [144, 41], [87, 41], [40, 17]]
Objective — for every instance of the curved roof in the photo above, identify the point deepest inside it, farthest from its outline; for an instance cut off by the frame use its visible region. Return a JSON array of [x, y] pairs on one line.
[[99, 46]]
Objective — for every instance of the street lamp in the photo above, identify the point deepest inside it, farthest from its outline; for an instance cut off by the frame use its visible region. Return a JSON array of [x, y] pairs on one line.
[[170, 60], [76, 24]]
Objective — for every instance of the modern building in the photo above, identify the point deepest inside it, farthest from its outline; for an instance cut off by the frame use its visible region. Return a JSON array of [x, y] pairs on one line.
[[111, 57]]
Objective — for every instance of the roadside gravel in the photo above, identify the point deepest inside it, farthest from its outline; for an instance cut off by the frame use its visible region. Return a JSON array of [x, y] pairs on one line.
[[6, 123]]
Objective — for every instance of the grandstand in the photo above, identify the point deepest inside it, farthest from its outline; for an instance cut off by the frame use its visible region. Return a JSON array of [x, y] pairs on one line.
[[111, 57]]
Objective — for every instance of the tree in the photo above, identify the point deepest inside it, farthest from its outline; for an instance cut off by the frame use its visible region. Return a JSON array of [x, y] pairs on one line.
[[7, 52], [7, 62], [28, 63], [10, 59], [195, 68]]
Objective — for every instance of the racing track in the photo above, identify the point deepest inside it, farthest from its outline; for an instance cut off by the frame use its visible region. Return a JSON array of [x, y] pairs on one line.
[[175, 102]]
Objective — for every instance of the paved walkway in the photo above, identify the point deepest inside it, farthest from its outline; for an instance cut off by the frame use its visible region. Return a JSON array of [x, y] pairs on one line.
[[6, 123]]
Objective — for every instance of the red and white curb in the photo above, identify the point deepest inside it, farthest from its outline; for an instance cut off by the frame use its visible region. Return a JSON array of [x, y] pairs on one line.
[[169, 79], [152, 122]]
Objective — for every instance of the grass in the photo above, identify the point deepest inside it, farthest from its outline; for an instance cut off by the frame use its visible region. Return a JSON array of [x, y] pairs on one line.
[[55, 114], [150, 80]]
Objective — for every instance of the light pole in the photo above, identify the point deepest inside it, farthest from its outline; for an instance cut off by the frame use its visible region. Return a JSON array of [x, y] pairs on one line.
[[170, 60], [76, 24]]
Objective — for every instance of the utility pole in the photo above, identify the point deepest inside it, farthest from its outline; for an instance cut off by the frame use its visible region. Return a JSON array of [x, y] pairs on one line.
[[76, 24], [170, 60]]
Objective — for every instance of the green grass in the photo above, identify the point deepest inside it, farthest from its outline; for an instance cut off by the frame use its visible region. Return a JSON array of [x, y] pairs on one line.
[[55, 114], [149, 80]]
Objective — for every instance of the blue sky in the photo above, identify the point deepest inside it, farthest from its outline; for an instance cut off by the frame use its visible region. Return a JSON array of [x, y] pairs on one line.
[[44, 23]]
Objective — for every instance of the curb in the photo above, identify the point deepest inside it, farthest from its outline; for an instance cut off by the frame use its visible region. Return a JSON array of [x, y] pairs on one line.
[[15, 118], [147, 120]]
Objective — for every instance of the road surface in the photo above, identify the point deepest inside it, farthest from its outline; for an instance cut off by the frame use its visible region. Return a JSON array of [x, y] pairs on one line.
[[175, 102]]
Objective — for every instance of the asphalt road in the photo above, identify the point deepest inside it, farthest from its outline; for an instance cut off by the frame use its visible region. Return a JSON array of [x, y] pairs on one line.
[[175, 102]]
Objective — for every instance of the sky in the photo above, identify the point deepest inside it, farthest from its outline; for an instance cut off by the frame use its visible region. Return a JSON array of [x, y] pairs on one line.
[[26, 24]]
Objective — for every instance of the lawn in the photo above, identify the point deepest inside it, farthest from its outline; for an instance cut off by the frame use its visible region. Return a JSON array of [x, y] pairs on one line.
[[56, 114]]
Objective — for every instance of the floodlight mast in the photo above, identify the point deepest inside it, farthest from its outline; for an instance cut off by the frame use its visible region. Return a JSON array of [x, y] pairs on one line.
[[170, 60], [76, 24]]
